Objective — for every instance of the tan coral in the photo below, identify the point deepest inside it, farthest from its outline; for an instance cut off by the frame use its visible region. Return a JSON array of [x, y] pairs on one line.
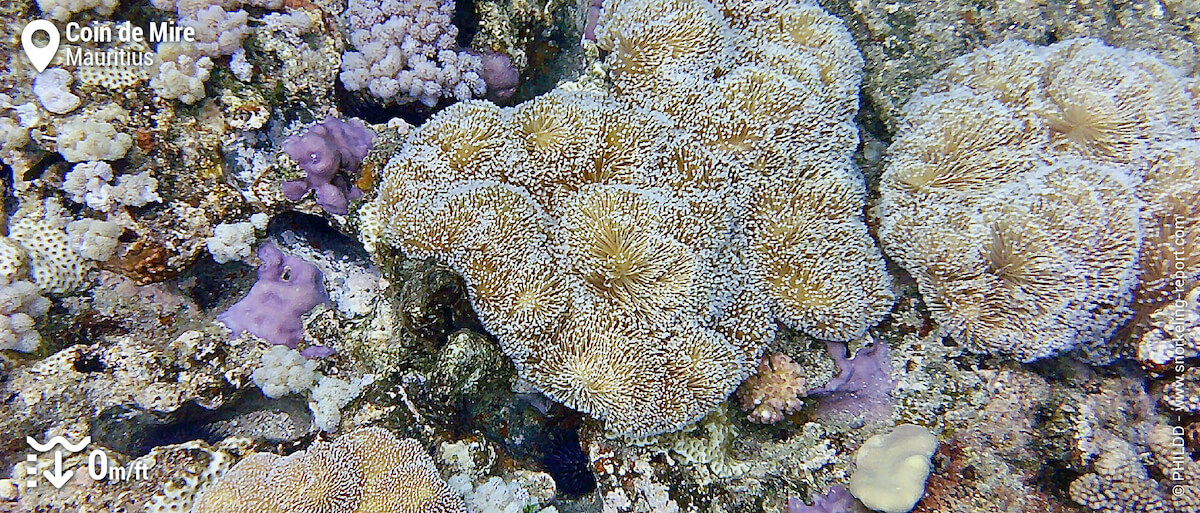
[[1171, 252], [632, 250], [1120, 483], [364, 471], [774, 391], [652, 39], [1015, 189]]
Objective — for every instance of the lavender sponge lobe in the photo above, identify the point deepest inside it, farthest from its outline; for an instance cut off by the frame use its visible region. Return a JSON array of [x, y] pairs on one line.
[[324, 150], [287, 288]]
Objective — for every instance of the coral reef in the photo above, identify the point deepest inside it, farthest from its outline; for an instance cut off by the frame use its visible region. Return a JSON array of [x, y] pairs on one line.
[[904, 44], [577, 216], [362, 471], [1012, 195], [641, 277], [1121, 483]]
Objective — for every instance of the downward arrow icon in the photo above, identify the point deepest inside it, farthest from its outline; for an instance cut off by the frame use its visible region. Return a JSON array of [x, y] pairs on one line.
[[58, 478]]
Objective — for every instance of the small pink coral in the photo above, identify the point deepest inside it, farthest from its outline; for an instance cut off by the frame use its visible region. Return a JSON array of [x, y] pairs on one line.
[[774, 391]]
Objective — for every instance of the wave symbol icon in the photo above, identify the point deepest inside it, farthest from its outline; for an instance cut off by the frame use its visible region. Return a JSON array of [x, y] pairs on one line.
[[58, 440]]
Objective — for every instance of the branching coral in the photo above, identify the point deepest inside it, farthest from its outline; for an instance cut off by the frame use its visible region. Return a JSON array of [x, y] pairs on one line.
[[406, 50], [774, 391], [1015, 192], [631, 250], [364, 471]]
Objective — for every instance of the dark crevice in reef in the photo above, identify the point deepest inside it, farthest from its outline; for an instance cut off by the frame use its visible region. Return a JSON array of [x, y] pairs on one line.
[[868, 119], [464, 18], [317, 233], [135, 432], [217, 286], [357, 105]]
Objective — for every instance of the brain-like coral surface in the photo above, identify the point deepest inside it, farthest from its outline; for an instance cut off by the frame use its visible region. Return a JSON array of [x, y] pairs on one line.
[[364, 471], [632, 250], [1029, 187]]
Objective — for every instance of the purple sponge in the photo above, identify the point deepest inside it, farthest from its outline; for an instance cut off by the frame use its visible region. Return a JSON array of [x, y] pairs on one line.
[[862, 389], [322, 151], [287, 288], [838, 500], [500, 75]]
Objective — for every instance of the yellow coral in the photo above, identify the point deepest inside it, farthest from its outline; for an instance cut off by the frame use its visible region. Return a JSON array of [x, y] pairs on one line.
[[1013, 190], [632, 251], [364, 471]]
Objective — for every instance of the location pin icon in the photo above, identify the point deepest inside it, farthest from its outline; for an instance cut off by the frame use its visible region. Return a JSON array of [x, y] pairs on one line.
[[40, 57]]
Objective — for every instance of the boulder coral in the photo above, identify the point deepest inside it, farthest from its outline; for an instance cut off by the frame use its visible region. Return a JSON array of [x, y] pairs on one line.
[[632, 249], [365, 471], [1029, 187]]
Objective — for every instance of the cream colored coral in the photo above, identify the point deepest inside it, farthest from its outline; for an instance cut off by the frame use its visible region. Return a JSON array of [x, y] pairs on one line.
[[14, 261], [181, 72], [1170, 259], [891, 468], [1120, 483], [632, 251], [63, 9], [20, 306], [94, 239], [92, 138], [1014, 193], [364, 471], [53, 264], [1173, 332]]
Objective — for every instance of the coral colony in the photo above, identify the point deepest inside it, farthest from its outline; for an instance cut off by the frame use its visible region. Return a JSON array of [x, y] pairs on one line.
[[600, 256]]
